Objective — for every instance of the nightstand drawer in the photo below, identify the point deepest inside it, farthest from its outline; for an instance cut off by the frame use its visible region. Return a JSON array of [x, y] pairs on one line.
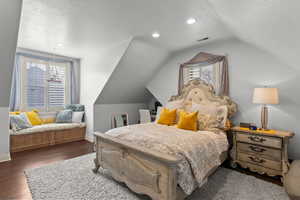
[[259, 161], [261, 140], [264, 152]]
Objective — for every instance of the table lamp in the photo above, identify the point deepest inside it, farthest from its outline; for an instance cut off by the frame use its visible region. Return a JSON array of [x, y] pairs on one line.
[[265, 96]]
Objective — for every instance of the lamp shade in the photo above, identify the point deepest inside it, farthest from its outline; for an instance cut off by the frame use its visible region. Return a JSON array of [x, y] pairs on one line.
[[265, 96]]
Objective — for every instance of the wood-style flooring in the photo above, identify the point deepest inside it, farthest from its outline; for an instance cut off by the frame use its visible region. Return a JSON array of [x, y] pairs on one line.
[[13, 185]]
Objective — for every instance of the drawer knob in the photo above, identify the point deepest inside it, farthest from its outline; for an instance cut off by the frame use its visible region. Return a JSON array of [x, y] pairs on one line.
[[257, 139], [257, 149], [257, 160]]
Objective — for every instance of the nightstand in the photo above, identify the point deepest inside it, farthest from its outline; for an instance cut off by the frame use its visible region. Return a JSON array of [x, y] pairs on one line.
[[261, 151]]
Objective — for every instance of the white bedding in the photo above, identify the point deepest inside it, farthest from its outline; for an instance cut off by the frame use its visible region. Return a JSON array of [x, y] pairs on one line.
[[200, 151]]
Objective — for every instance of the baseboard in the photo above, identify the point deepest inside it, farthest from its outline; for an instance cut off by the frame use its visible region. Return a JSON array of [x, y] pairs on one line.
[[89, 138], [5, 157]]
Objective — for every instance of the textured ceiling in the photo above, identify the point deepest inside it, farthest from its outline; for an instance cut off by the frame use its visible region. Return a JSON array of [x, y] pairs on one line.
[[92, 24]]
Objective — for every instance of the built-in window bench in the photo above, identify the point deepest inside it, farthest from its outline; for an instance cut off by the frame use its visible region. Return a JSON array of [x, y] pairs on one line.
[[46, 135]]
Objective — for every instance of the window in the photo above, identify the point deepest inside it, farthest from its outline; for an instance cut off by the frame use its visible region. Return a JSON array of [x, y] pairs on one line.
[[204, 73], [208, 73], [45, 85]]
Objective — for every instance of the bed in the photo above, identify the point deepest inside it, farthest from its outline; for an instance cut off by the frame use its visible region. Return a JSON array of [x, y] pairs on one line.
[[165, 162]]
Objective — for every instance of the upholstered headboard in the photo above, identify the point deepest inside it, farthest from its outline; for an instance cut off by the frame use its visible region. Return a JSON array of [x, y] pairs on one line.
[[199, 92]]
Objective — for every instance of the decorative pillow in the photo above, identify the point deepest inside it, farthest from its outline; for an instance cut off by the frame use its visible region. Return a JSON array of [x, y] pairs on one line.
[[188, 121], [178, 104], [207, 121], [228, 124], [48, 117], [167, 117], [48, 120], [19, 122], [34, 118], [213, 121], [64, 116], [77, 117], [210, 116], [75, 107], [222, 116]]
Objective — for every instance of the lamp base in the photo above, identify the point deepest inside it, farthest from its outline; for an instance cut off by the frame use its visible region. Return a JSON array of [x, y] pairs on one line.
[[264, 118]]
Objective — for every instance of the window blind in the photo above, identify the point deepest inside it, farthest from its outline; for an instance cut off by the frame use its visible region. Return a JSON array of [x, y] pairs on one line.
[[205, 73], [35, 87], [210, 74], [56, 86]]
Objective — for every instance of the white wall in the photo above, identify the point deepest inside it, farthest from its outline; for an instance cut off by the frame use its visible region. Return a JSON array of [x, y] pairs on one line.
[[125, 91], [9, 24], [4, 136], [96, 69], [249, 67], [151, 103], [127, 84], [103, 113]]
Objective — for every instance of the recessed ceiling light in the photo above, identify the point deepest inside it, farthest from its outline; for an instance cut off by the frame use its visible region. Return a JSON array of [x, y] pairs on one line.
[[60, 44], [155, 35], [191, 21]]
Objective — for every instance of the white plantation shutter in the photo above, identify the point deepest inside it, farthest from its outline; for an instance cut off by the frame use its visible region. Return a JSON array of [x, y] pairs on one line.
[[44, 85], [192, 73], [56, 86], [35, 87], [205, 73], [209, 74]]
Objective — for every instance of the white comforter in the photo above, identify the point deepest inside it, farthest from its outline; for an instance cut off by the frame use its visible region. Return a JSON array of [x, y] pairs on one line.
[[200, 151]]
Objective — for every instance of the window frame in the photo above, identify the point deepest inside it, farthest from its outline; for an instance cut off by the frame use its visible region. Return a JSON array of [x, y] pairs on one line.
[[196, 67], [216, 74], [67, 83]]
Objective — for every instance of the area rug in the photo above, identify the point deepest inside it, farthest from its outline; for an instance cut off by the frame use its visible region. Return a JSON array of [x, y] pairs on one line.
[[74, 180]]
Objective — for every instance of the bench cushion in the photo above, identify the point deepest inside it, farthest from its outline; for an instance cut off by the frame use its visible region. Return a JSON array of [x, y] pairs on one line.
[[292, 181], [48, 127]]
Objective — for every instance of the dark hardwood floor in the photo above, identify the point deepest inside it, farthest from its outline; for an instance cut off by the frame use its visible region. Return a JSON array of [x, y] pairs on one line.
[[13, 185]]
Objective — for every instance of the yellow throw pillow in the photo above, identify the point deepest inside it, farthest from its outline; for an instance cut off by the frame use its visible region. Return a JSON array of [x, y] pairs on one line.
[[34, 118], [48, 120], [167, 117], [188, 121]]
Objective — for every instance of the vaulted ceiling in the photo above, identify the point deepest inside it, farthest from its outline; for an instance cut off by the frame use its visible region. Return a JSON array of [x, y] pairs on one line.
[[85, 27]]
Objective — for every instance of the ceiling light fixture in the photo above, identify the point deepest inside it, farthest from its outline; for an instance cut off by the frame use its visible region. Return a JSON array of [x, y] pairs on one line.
[[155, 35], [191, 21], [60, 45]]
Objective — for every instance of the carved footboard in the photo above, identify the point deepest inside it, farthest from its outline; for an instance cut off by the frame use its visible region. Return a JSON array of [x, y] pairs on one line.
[[144, 171]]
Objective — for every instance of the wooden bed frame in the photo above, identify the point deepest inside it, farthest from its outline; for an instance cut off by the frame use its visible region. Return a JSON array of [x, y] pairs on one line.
[[36, 140], [150, 172]]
